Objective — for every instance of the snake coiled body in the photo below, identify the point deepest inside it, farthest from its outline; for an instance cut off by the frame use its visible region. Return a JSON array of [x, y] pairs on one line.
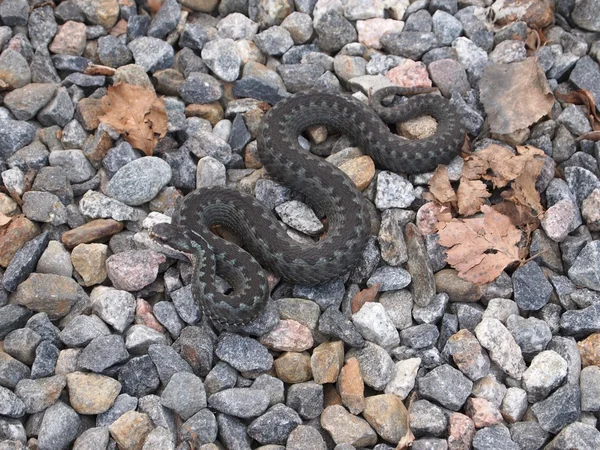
[[328, 190]]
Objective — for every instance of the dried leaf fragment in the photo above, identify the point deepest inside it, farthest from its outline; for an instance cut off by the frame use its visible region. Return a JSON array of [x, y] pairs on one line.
[[585, 98], [515, 95], [520, 216], [440, 187], [480, 248], [137, 113], [471, 196]]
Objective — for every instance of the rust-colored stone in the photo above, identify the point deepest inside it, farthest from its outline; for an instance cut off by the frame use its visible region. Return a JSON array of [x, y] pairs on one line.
[[96, 149], [352, 387], [87, 113], [589, 349], [94, 230], [15, 235]]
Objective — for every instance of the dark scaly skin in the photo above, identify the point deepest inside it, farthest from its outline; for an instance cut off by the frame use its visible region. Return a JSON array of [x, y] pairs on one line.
[[325, 187]]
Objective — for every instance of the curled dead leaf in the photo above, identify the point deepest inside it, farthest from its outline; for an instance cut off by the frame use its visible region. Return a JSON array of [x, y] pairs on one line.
[[503, 90], [480, 248], [585, 98], [137, 113]]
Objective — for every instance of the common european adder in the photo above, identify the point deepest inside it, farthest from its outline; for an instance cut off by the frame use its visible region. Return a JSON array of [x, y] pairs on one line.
[[326, 189]]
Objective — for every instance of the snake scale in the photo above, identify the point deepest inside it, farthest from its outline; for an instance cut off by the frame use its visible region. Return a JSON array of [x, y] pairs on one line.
[[326, 188]]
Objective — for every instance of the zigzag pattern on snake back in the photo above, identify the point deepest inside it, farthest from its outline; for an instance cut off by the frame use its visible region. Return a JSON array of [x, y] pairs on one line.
[[326, 188]]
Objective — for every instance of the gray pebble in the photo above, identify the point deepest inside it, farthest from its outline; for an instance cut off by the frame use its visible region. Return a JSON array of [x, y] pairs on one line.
[[60, 426], [306, 399], [184, 394], [240, 402], [447, 386]]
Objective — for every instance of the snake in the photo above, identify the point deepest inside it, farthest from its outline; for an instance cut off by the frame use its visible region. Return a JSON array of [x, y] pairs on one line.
[[328, 190]]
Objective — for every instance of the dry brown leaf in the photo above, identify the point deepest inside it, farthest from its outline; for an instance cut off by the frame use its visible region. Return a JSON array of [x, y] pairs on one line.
[[515, 95], [480, 248], [440, 187], [364, 296], [520, 216], [137, 113], [586, 98], [495, 163], [523, 188], [591, 136], [471, 196]]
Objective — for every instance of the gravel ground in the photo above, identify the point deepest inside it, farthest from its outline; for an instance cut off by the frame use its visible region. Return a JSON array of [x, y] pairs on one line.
[[101, 343]]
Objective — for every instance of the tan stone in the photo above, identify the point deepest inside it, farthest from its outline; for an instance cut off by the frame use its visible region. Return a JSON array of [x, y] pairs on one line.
[[89, 260], [130, 430], [19, 231], [91, 393], [360, 170], [317, 134], [53, 294], [8, 206], [419, 128], [387, 415], [326, 361], [292, 367], [70, 39], [205, 6], [352, 387], [346, 428], [100, 12], [213, 112]]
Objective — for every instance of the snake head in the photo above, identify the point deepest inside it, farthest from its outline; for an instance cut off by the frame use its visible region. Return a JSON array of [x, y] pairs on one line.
[[167, 234]]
